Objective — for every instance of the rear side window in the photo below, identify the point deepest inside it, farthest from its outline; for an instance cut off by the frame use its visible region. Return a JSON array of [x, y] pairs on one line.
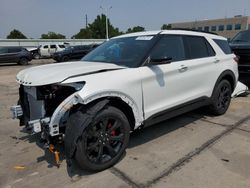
[[3, 50], [170, 46], [52, 46], [45, 46], [14, 50], [198, 47], [223, 44]]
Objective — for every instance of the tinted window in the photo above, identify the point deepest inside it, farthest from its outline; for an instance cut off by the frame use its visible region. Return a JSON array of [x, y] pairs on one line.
[[169, 47], [221, 27], [14, 50], [199, 28], [3, 50], [61, 46], [223, 44], [198, 47], [45, 46], [237, 27], [206, 28], [213, 28], [52, 46], [83, 47], [229, 27]]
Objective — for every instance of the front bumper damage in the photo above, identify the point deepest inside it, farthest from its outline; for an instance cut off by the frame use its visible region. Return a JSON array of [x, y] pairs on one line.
[[48, 126]]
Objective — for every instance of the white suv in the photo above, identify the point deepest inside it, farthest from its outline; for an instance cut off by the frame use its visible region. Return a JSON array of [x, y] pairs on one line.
[[48, 50], [130, 81]]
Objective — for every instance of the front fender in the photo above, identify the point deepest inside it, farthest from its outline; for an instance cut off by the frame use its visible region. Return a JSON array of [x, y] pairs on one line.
[[127, 99]]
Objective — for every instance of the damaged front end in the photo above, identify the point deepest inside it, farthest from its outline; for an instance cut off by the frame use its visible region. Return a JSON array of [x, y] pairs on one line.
[[45, 109]]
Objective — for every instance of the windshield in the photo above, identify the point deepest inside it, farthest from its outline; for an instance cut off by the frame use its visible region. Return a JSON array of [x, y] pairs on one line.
[[128, 51], [242, 37]]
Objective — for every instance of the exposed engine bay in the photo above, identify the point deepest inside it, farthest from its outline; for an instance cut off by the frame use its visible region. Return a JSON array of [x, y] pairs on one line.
[[37, 105]]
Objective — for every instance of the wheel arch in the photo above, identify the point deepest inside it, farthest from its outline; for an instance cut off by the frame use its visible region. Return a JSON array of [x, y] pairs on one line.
[[123, 103], [229, 76]]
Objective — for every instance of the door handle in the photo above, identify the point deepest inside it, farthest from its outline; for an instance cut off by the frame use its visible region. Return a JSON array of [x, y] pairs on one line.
[[216, 61], [183, 68]]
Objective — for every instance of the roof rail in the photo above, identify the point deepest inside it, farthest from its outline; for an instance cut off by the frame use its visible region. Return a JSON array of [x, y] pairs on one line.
[[195, 30]]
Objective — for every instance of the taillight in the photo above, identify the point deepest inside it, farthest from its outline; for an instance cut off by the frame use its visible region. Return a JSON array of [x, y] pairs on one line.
[[236, 59]]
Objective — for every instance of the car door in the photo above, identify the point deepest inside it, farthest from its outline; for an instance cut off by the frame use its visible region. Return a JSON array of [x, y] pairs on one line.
[[44, 50], [174, 83], [14, 54], [52, 49], [201, 64]]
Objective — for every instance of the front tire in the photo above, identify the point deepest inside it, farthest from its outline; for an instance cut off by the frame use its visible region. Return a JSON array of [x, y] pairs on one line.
[[36, 56], [23, 61], [103, 141], [221, 98], [65, 58]]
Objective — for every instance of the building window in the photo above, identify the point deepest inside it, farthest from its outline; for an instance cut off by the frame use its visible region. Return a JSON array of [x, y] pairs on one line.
[[206, 28], [199, 28], [213, 28], [237, 27], [229, 27], [221, 27]]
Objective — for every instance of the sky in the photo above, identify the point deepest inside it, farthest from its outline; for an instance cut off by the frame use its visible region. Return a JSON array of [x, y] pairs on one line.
[[35, 17]]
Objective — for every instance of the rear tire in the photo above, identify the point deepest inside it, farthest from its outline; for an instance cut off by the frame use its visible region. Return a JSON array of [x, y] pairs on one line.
[[221, 98], [23, 61], [103, 141]]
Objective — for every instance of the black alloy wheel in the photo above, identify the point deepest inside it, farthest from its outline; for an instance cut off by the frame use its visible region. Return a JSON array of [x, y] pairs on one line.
[[224, 97], [221, 98], [104, 141]]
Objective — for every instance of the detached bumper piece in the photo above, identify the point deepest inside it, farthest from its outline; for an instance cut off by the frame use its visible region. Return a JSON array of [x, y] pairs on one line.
[[16, 111]]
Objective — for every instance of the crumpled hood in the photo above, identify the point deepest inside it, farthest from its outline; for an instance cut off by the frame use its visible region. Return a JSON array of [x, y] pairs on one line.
[[58, 72]]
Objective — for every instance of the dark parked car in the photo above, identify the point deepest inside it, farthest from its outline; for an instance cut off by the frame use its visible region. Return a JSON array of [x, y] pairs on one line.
[[73, 52], [240, 45], [18, 55]]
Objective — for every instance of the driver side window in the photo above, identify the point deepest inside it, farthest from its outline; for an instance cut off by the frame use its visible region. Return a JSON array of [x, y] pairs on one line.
[[169, 47]]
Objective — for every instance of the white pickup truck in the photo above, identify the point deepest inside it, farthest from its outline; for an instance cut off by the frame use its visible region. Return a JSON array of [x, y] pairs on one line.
[[48, 50]]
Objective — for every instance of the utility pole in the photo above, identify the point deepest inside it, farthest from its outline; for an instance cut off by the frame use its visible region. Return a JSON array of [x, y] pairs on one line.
[[106, 15], [86, 17]]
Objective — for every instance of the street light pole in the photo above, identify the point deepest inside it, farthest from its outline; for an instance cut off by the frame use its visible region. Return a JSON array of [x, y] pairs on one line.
[[106, 15]]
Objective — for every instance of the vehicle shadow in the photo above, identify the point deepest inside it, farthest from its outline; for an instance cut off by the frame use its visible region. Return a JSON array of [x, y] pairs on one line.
[[137, 138], [150, 133]]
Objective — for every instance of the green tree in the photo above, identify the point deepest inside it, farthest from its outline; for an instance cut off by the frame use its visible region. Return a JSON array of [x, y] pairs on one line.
[[52, 35], [15, 34], [97, 29], [135, 29], [83, 34], [166, 26]]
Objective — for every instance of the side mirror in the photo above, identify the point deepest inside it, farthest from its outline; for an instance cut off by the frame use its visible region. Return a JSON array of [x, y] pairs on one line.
[[160, 60]]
